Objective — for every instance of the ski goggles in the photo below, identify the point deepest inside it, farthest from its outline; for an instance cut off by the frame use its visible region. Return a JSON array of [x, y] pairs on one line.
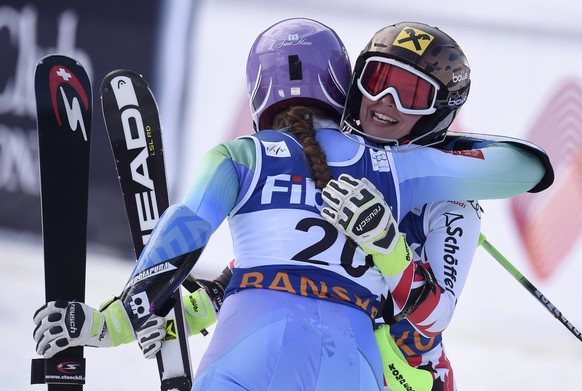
[[413, 92]]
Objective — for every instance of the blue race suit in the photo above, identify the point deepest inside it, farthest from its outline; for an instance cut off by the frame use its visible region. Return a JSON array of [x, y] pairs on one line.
[[293, 271]]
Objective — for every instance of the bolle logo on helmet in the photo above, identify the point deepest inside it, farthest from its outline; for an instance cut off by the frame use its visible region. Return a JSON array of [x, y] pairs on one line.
[[413, 39], [463, 75], [458, 101]]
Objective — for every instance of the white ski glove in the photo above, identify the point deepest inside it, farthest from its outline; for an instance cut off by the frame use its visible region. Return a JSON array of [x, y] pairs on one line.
[[61, 324], [357, 209], [151, 335], [199, 313]]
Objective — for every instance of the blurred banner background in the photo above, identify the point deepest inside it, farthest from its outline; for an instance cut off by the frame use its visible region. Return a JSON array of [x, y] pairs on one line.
[[526, 82], [102, 36]]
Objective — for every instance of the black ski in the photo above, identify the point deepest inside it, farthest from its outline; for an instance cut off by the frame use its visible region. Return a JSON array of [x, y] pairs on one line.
[[131, 117], [64, 113]]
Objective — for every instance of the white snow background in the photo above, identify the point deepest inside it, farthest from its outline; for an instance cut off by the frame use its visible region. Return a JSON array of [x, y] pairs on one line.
[[529, 350]]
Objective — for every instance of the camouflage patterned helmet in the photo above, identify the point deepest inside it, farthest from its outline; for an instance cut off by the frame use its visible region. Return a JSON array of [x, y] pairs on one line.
[[433, 53]]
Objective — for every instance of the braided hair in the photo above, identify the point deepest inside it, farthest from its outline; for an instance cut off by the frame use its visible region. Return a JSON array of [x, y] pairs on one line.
[[298, 120]]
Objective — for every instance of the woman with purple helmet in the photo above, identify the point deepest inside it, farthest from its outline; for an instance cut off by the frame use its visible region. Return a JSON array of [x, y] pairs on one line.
[[299, 308]]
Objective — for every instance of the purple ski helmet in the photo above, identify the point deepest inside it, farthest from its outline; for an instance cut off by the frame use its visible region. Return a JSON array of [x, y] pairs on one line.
[[297, 61]]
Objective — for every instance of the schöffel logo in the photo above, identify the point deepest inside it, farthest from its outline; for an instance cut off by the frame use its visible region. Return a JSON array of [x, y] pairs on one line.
[[451, 246], [59, 76]]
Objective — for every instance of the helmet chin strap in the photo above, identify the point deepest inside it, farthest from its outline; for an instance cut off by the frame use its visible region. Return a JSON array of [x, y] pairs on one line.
[[438, 129], [401, 145]]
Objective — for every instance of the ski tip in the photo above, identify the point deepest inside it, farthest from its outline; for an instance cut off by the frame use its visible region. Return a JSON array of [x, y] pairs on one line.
[[134, 76], [58, 59]]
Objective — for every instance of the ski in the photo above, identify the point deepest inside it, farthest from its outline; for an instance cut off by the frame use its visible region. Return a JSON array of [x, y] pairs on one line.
[[64, 113], [132, 121]]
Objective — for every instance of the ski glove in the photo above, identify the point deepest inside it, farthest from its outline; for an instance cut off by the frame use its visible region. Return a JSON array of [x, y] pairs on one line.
[[151, 335], [61, 324], [357, 209], [199, 313]]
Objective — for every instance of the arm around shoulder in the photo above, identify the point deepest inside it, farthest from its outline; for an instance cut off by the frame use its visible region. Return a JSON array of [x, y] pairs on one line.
[[455, 141]]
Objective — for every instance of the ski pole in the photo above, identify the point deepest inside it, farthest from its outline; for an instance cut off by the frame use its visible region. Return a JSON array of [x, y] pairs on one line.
[[528, 285]]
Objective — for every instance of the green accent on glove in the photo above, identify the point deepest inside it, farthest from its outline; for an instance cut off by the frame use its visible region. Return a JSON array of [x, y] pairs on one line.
[[117, 323], [395, 261], [198, 311], [97, 323], [399, 375]]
